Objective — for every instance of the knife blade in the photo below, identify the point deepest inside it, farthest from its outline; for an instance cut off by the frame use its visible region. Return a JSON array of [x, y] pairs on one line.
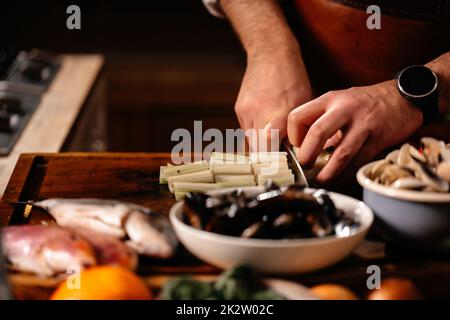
[[299, 174]]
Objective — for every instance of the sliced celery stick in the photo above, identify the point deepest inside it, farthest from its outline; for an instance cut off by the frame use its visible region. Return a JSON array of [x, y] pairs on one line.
[[228, 157], [261, 157], [185, 168], [202, 176], [194, 186], [231, 184], [234, 178], [162, 178], [232, 169], [281, 180], [269, 168], [279, 173], [180, 195]]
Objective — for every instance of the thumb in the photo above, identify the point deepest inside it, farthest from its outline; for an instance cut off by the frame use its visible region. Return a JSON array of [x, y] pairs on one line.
[[275, 131]]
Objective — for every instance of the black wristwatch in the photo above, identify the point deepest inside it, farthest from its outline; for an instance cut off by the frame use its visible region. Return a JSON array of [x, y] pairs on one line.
[[419, 85]]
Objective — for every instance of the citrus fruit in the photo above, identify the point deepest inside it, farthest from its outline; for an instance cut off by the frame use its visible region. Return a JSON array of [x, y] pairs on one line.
[[103, 283]]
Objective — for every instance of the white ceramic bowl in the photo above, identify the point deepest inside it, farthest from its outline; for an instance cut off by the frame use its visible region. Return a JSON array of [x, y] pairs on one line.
[[274, 256], [417, 218]]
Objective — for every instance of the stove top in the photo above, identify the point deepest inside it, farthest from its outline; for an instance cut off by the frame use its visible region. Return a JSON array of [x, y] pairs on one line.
[[25, 76]]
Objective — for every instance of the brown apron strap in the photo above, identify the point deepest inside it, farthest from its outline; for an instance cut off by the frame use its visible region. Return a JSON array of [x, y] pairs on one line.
[[412, 9]]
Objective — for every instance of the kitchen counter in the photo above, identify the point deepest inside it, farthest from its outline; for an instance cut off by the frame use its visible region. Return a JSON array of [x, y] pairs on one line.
[[134, 177], [52, 122]]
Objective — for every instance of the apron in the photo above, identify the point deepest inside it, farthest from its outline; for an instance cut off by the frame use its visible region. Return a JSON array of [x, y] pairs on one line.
[[340, 51]]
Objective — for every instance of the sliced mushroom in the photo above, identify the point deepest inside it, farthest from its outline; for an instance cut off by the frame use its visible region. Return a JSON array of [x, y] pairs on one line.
[[392, 156], [377, 169], [433, 150], [433, 181], [409, 156], [443, 171], [393, 172], [409, 183]]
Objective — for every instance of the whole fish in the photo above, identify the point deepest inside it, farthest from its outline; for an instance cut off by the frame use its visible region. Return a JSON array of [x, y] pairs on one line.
[[147, 232], [45, 250]]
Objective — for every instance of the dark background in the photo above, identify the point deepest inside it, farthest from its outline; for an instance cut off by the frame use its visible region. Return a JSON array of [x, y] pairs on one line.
[[168, 63]]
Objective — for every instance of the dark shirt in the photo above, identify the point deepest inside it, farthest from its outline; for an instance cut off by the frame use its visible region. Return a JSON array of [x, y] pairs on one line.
[[340, 51]]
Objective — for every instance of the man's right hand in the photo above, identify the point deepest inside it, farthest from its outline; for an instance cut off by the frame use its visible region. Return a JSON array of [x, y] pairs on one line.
[[274, 84], [276, 80]]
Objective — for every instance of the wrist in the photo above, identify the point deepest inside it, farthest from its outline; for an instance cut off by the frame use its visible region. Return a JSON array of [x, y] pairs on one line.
[[279, 41], [273, 50], [441, 67], [402, 103]]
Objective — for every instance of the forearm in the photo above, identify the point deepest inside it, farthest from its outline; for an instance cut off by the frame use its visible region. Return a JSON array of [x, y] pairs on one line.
[[441, 66], [260, 25]]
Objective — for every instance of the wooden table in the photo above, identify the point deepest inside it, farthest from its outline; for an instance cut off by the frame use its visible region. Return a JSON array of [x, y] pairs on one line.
[[134, 177]]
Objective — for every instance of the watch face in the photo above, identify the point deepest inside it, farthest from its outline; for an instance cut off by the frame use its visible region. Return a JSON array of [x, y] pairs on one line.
[[417, 81]]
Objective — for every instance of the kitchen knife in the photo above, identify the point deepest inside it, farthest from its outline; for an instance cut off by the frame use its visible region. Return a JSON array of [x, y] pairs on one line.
[[300, 177]]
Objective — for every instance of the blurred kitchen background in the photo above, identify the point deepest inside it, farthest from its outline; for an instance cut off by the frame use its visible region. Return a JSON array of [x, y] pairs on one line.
[[167, 63]]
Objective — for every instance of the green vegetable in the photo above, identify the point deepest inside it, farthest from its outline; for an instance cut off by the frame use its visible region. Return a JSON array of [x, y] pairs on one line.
[[184, 288], [234, 284], [266, 294]]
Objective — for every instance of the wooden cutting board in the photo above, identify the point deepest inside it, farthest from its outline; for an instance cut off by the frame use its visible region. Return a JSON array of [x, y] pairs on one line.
[[134, 177]]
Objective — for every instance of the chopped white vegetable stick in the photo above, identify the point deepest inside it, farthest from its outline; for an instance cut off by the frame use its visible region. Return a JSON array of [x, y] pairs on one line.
[[180, 195], [162, 178], [232, 169], [194, 187], [229, 157], [281, 162], [280, 180], [202, 176], [275, 173], [236, 178], [267, 168], [231, 184], [281, 175], [260, 157], [212, 162], [185, 169]]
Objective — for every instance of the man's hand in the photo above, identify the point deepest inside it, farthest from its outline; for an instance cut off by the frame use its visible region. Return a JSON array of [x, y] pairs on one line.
[[370, 119], [274, 84], [275, 80]]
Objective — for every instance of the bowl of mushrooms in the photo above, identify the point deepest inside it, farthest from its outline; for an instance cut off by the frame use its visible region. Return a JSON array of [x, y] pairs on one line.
[[409, 192]]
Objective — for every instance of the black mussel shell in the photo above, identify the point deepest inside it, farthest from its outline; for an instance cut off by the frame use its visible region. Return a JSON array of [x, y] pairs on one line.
[[346, 227], [319, 225], [291, 226], [230, 221], [328, 206], [277, 213], [195, 212], [262, 229]]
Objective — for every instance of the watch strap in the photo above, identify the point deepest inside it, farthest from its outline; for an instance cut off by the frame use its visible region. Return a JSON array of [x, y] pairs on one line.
[[429, 107]]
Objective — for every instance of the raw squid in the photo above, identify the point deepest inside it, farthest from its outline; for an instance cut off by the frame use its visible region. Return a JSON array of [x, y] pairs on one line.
[[45, 250], [147, 232]]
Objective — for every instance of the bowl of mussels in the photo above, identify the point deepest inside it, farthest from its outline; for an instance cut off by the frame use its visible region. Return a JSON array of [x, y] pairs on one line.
[[276, 230], [409, 192]]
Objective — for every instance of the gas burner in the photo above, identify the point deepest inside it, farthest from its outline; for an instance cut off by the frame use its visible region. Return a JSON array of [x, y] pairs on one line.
[[26, 76]]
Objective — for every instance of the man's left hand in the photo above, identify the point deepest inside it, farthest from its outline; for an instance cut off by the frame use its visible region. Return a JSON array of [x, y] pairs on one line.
[[370, 119]]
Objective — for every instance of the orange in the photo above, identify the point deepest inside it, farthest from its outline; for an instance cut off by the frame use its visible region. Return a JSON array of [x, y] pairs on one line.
[[103, 283], [333, 292], [396, 289]]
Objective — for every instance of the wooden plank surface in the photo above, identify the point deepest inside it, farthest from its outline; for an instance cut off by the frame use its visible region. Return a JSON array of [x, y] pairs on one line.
[[60, 105], [135, 177]]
